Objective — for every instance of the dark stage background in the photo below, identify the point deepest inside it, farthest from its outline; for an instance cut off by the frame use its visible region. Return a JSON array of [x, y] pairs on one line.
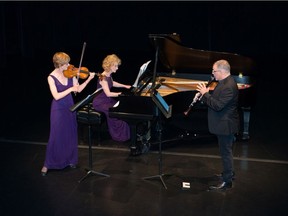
[[31, 32]]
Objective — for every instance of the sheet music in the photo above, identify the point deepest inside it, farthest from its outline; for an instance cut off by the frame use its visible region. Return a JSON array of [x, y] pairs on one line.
[[116, 104], [141, 71]]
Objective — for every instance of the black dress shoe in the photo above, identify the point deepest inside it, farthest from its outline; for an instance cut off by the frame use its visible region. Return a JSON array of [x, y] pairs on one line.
[[145, 148], [72, 166], [43, 173], [221, 187], [135, 151]]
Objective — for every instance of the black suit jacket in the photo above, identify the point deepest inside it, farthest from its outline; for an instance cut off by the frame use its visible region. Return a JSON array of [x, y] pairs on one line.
[[223, 116]]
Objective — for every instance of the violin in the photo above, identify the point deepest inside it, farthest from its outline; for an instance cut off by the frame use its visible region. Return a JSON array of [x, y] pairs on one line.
[[72, 71]]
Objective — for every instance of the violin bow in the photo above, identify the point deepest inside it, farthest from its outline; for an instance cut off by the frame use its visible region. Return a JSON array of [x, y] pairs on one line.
[[83, 50], [79, 68]]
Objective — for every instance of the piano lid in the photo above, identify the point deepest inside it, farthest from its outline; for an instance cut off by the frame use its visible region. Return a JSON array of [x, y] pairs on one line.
[[178, 58]]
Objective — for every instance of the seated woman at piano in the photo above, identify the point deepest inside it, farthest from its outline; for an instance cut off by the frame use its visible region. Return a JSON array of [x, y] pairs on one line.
[[118, 129]]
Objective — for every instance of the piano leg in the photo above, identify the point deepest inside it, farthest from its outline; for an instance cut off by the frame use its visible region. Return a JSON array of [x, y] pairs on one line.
[[135, 149], [143, 146], [245, 121], [133, 146]]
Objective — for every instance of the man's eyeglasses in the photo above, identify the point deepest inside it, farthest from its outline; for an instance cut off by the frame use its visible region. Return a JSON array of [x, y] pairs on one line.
[[214, 71]]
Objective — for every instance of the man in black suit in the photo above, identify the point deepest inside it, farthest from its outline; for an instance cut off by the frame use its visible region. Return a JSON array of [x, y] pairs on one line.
[[223, 117]]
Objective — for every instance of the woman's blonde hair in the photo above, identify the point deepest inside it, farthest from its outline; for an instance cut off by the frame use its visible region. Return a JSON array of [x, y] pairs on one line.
[[109, 61], [60, 59]]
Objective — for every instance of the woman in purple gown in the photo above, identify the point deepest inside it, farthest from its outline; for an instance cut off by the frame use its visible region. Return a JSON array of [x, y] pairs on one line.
[[62, 146], [118, 129]]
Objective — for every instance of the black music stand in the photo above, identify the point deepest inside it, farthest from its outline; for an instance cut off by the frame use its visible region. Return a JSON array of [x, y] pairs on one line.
[[167, 111], [90, 171], [81, 103], [86, 100]]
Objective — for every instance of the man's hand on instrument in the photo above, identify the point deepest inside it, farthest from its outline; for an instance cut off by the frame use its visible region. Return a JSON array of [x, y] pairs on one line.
[[201, 87]]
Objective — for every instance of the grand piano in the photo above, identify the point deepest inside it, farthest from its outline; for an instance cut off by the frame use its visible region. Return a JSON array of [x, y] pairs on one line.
[[182, 68]]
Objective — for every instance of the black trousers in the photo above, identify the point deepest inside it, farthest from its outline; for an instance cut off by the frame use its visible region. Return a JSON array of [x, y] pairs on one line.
[[225, 143]]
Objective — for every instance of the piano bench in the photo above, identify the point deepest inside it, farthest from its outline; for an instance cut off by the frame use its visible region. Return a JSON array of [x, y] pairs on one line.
[[87, 115]]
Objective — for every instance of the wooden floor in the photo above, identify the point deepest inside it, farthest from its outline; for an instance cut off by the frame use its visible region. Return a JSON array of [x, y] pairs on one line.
[[260, 188]]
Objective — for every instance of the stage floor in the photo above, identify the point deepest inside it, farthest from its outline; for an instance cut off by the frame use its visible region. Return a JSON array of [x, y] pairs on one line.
[[260, 187]]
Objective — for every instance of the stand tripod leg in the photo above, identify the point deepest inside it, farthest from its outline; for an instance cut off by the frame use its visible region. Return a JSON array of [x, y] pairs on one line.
[[90, 171], [160, 175]]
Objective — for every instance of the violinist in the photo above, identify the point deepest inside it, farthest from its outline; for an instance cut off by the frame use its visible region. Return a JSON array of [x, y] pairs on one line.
[[118, 129], [62, 146]]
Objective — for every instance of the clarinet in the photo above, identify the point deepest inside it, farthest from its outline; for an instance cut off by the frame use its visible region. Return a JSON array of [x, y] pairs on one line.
[[198, 96]]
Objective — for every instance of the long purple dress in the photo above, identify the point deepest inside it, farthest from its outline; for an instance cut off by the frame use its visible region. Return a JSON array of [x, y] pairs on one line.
[[62, 147], [118, 129]]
